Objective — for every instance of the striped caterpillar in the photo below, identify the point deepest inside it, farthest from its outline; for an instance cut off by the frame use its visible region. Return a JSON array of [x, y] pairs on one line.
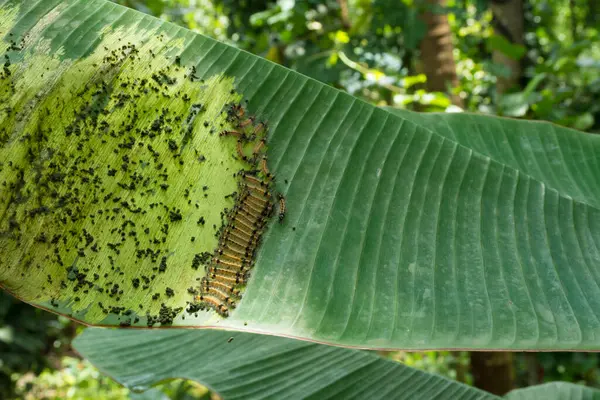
[[229, 266]]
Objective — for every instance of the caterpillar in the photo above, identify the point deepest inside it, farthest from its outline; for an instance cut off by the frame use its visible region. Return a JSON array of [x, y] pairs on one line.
[[233, 264], [281, 207], [223, 287], [248, 121], [227, 279], [258, 146], [227, 272], [230, 264], [223, 253], [240, 150], [232, 133], [214, 303], [264, 168]]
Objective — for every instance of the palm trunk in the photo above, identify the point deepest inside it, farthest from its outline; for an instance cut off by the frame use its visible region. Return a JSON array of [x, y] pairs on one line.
[[493, 371], [437, 51], [508, 22], [344, 14]]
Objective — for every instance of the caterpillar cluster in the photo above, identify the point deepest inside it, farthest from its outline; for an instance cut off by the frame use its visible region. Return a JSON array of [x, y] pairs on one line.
[[230, 264]]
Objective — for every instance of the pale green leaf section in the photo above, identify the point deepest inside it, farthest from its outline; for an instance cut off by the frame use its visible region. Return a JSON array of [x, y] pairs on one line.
[[244, 366], [109, 162], [400, 232]]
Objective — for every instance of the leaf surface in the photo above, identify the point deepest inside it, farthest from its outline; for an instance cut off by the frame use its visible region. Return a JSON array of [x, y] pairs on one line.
[[239, 365], [400, 231], [555, 390]]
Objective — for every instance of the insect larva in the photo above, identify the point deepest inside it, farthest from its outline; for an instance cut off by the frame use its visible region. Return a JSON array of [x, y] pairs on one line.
[[254, 220], [233, 264], [245, 252], [267, 211], [223, 287], [255, 180], [239, 110], [237, 238], [281, 208], [254, 207], [257, 190], [251, 213], [259, 128], [219, 294], [227, 279], [235, 270], [254, 197], [232, 133], [234, 240], [214, 303], [257, 212], [255, 217], [221, 252], [261, 203], [249, 172], [239, 219], [246, 263], [254, 233], [240, 150], [229, 247], [260, 192], [258, 146], [242, 229], [247, 122], [238, 234], [227, 272], [263, 167], [233, 293], [241, 236], [227, 288], [243, 196]]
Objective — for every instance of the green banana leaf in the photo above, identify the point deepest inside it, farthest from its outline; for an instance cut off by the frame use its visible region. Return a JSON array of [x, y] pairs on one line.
[[240, 365], [247, 366], [561, 159], [555, 390], [400, 231]]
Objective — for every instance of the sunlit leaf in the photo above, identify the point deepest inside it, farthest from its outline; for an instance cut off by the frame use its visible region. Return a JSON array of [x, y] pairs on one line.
[[400, 231]]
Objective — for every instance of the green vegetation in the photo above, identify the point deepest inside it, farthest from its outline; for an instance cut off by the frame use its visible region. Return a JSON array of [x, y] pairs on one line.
[[154, 177]]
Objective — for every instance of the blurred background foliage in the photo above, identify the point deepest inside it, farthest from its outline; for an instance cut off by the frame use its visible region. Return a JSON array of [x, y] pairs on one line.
[[533, 59]]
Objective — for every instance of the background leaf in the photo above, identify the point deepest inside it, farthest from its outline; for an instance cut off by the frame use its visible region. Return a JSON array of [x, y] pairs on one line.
[[555, 390], [241, 365]]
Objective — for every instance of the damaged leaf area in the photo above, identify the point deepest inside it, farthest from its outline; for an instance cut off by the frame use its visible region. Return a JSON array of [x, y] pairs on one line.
[[133, 190]]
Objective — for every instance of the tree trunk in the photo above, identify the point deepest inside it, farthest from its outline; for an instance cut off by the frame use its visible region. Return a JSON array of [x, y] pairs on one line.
[[493, 371], [574, 27], [437, 51], [344, 14], [593, 13], [535, 372], [508, 22]]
